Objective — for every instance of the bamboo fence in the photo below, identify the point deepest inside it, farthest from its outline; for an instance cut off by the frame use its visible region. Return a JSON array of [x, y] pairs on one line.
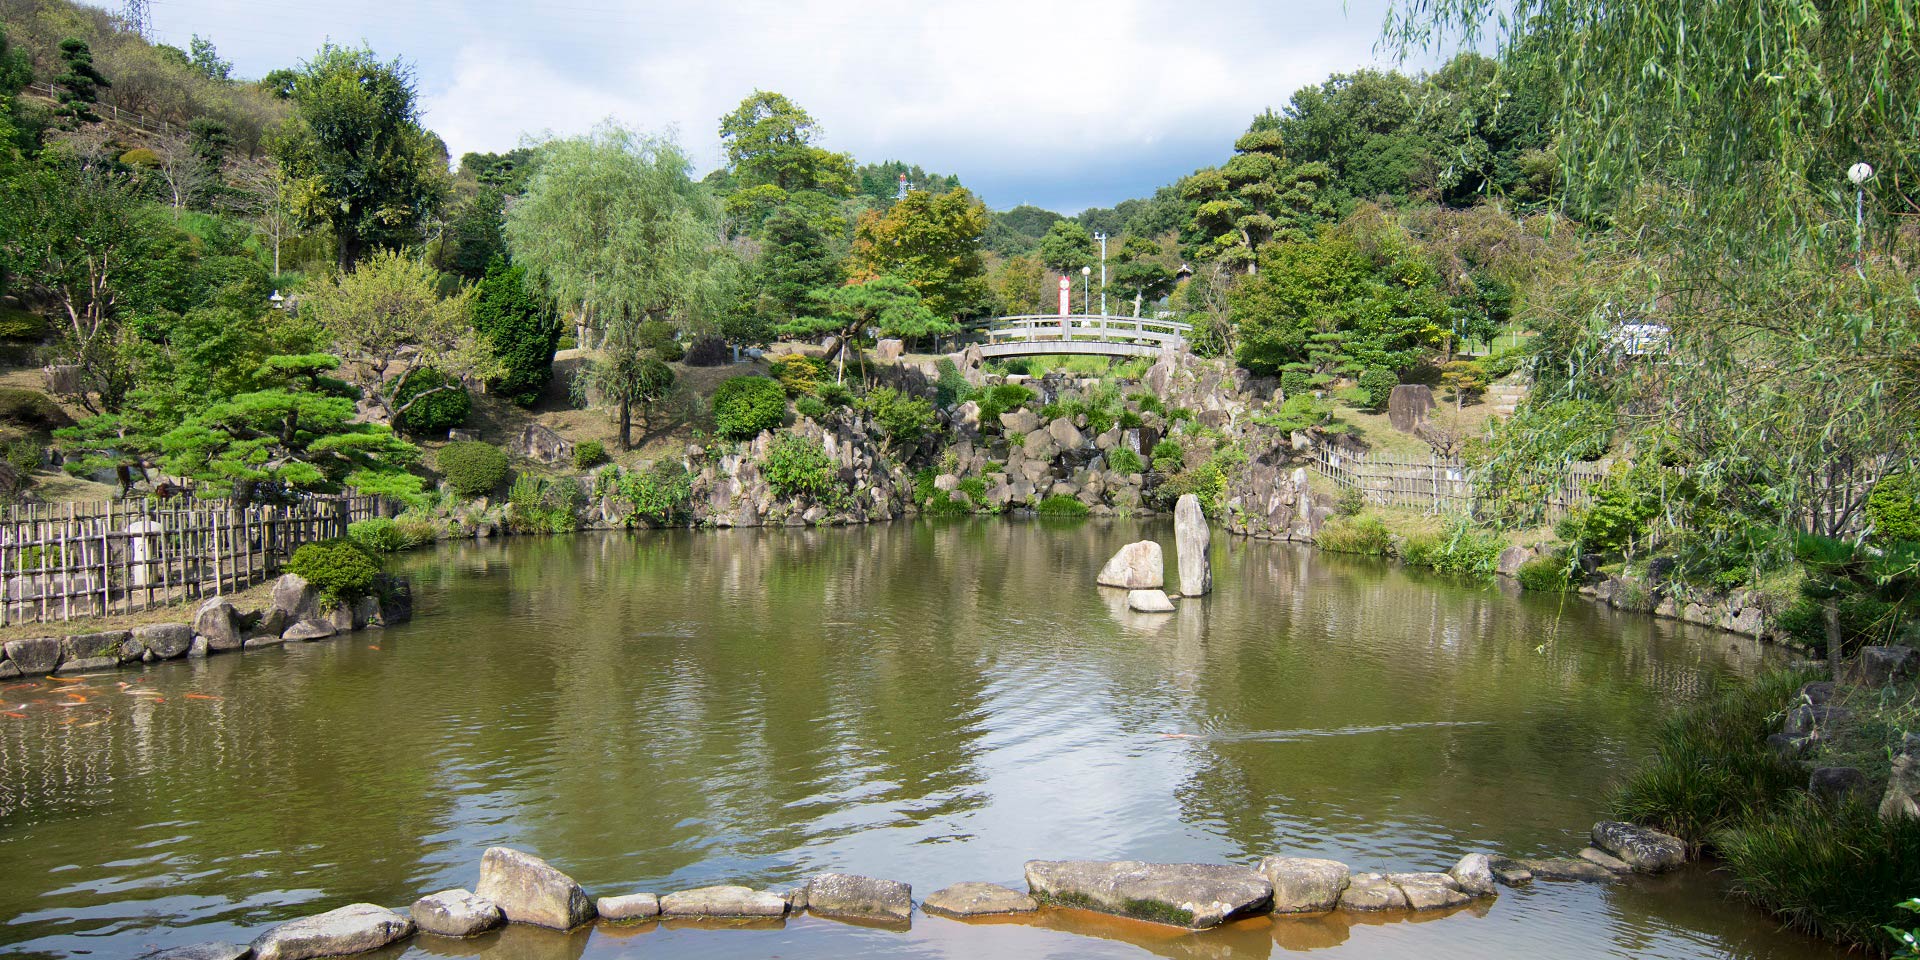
[[67, 560], [1439, 484]]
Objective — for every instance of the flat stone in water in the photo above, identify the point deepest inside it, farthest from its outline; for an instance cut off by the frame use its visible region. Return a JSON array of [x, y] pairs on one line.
[[1428, 891], [1196, 895], [974, 899], [848, 895], [217, 950], [1304, 884], [455, 913], [1149, 601], [1605, 860], [633, 906], [1561, 868], [1371, 892], [1644, 849], [723, 901], [336, 933]]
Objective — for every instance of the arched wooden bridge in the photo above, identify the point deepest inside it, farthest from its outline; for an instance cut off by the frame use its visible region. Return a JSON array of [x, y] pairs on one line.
[[1040, 334]]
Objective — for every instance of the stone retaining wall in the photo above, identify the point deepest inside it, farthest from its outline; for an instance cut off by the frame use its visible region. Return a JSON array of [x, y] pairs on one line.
[[295, 613]]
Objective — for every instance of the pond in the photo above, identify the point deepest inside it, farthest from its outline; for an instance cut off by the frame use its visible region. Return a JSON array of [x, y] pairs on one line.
[[928, 702]]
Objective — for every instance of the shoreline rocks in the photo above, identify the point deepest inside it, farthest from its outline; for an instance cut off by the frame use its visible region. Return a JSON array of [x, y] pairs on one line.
[[847, 895], [1642, 849], [723, 902], [455, 913], [1194, 895], [352, 929], [1305, 885], [529, 890]]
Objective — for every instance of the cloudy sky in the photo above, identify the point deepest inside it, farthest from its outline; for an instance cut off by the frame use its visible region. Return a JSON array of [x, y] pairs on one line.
[[1061, 104]]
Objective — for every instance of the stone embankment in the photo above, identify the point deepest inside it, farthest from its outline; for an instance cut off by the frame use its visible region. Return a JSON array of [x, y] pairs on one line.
[[296, 612], [519, 888], [1817, 715]]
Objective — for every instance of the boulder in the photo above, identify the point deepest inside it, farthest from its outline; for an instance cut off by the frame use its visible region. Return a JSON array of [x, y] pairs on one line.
[[219, 623], [1561, 868], [847, 895], [1644, 849], [1606, 861], [529, 890], [1902, 798], [1810, 720], [889, 349], [1196, 895], [455, 913], [633, 906], [1837, 783], [272, 623], [1065, 435], [310, 630], [164, 640], [1816, 692], [1512, 558], [36, 657], [340, 615], [1369, 892], [1138, 566], [1149, 601], [1789, 747], [1303, 884], [1019, 421], [1428, 891], [539, 442], [336, 933], [1474, 875], [1407, 406], [93, 646], [295, 597], [977, 900], [215, 950], [723, 902], [1191, 541], [1881, 666]]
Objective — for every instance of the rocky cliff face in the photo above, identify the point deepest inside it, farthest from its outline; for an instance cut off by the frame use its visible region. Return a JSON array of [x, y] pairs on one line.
[[730, 489]]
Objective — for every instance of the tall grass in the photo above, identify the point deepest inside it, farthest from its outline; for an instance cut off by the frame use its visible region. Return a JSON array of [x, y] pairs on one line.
[[1711, 768], [1834, 870], [1364, 534]]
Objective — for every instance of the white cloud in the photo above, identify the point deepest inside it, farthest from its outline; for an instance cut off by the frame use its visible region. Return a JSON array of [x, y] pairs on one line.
[[1022, 98]]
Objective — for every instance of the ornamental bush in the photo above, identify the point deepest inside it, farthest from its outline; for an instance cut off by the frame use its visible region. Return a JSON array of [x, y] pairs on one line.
[[799, 467], [1378, 382], [744, 406], [1894, 508], [589, 453], [341, 569], [799, 375], [434, 414], [1295, 382], [473, 468]]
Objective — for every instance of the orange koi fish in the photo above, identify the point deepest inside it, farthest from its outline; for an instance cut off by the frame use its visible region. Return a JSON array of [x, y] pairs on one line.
[[201, 696]]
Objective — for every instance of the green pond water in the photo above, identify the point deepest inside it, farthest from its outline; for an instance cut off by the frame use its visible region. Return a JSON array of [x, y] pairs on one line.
[[928, 702]]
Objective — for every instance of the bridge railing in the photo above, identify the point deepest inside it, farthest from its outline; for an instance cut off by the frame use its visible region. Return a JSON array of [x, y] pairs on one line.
[[1089, 328]]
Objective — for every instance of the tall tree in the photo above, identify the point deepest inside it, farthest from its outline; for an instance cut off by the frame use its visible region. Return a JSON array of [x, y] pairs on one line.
[[619, 231], [79, 82], [1255, 198], [357, 155], [795, 261], [1067, 247], [931, 242], [1139, 274], [387, 319], [775, 163]]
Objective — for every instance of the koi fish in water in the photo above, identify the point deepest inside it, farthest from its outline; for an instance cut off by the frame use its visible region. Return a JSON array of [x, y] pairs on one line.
[[201, 696]]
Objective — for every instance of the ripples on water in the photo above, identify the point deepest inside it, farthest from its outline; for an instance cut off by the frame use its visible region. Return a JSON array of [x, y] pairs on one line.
[[932, 702]]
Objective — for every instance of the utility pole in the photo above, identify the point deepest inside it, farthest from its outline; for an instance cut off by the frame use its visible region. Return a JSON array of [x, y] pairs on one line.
[[139, 18], [1103, 271]]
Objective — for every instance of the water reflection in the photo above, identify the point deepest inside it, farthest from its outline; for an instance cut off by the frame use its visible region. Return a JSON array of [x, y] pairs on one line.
[[936, 702]]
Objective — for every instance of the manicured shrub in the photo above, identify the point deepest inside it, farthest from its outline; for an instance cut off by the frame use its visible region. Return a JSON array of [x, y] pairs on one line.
[[473, 468], [902, 417], [340, 569], [744, 406], [799, 375], [432, 414], [377, 535], [797, 466], [1061, 505], [1295, 382], [811, 407], [1894, 508], [708, 351], [1378, 382], [1124, 460], [835, 394], [588, 454], [1545, 574], [140, 157]]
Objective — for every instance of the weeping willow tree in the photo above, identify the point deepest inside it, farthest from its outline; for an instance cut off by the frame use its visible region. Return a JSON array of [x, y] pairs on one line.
[[1709, 144]]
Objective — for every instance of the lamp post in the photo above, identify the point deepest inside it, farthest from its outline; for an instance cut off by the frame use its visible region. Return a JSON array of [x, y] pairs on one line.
[[1859, 174], [1086, 289], [1103, 270]]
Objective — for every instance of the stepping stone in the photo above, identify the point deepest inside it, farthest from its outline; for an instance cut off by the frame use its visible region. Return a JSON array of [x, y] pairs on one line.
[[977, 900]]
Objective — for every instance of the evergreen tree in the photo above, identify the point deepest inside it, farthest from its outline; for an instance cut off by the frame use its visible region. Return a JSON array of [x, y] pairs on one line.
[[80, 82], [796, 262], [523, 328]]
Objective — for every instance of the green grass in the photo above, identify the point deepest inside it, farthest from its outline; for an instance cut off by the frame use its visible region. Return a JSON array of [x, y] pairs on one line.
[[1832, 870], [1062, 506]]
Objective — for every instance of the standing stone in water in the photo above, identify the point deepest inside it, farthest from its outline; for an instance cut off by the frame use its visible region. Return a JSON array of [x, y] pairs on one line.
[[529, 890], [1138, 566], [1191, 538]]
